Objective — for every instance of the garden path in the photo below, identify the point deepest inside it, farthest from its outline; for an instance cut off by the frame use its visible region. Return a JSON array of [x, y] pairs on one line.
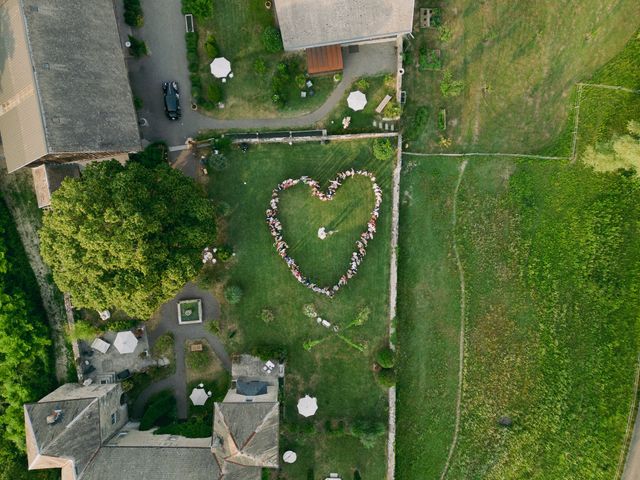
[[169, 324]]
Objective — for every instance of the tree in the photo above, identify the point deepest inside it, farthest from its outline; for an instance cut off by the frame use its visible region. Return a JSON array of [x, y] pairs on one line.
[[199, 8], [368, 430], [272, 40], [382, 149], [126, 237]]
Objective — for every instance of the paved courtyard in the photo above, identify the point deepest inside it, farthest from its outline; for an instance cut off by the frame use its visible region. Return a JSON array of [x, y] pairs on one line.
[[169, 323]]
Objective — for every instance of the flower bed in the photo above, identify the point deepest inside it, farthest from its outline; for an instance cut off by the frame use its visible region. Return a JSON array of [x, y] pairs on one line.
[[275, 227]]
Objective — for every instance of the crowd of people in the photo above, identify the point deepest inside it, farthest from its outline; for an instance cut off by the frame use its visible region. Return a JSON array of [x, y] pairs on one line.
[[275, 227]]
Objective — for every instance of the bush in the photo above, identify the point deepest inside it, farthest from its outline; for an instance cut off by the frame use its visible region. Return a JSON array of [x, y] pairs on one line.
[[193, 60], [270, 352], [163, 346], [450, 87], [387, 377], [161, 410], [210, 47], [223, 209], [222, 144], [199, 8], [272, 40], [267, 316], [301, 80], [138, 48], [382, 149], [225, 252], [214, 92], [367, 431], [356, 475], [133, 15], [386, 358], [137, 103], [152, 156], [233, 294], [82, 330], [260, 66], [362, 84], [392, 110], [445, 33], [418, 124]]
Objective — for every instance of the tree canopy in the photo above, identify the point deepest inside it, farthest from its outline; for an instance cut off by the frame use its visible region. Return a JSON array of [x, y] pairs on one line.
[[126, 237]]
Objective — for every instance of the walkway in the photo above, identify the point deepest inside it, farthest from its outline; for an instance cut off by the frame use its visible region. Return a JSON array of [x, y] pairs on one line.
[[169, 323], [164, 30]]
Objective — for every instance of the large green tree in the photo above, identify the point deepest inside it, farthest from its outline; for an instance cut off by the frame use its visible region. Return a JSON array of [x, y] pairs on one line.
[[126, 237]]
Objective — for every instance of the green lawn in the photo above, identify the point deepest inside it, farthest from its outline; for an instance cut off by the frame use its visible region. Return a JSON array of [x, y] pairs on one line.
[[337, 374], [361, 121], [237, 27], [519, 63]]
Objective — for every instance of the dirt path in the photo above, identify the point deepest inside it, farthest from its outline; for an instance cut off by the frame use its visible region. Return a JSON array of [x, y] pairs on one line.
[[463, 313], [16, 188], [393, 295]]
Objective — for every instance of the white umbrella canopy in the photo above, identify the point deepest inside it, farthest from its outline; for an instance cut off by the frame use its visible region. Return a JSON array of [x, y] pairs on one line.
[[198, 396], [125, 342], [289, 456], [307, 406], [220, 67], [356, 100]]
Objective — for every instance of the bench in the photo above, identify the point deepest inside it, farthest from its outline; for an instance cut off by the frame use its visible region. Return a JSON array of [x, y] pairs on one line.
[[383, 103], [196, 347]]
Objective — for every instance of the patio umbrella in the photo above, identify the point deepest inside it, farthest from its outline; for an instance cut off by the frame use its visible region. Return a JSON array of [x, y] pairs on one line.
[[356, 100], [220, 67], [289, 456], [307, 406], [198, 396], [125, 342]]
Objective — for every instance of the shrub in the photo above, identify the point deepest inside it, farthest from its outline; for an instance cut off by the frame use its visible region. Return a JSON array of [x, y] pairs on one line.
[[82, 330], [163, 346], [386, 358], [211, 47], [272, 40], [225, 252], [270, 352], [361, 317], [160, 410], [309, 310], [386, 377], [199, 8], [445, 33], [152, 156], [137, 102], [267, 316], [301, 80], [214, 92], [222, 144], [133, 15], [260, 66], [368, 431], [193, 60], [418, 124], [223, 209], [283, 70], [382, 149], [450, 87], [442, 119], [392, 110], [138, 48], [356, 475], [233, 294], [362, 84]]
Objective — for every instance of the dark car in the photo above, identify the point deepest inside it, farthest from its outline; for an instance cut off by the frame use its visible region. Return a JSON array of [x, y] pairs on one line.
[[171, 100]]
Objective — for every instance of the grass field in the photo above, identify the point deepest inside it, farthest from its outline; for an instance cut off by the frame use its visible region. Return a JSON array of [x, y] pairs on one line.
[[519, 63], [550, 256], [237, 27], [337, 374]]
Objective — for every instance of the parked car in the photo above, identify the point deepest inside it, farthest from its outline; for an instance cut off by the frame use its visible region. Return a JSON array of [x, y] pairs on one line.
[[171, 100]]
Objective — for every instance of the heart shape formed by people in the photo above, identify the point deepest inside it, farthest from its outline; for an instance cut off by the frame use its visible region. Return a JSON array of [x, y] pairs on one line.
[[275, 226]]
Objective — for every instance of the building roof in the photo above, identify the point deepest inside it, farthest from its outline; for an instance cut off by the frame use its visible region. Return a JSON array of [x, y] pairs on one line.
[[246, 434], [324, 59], [153, 463], [313, 23], [64, 83], [74, 436], [48, 177]]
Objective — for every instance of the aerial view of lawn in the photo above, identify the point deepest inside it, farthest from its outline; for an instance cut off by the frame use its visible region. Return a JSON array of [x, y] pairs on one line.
[[235, 31], [518, 63], [549, 255], [338, 370]]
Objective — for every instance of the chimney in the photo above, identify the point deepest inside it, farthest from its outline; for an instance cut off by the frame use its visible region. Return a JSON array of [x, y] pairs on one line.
[[54, 417]]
